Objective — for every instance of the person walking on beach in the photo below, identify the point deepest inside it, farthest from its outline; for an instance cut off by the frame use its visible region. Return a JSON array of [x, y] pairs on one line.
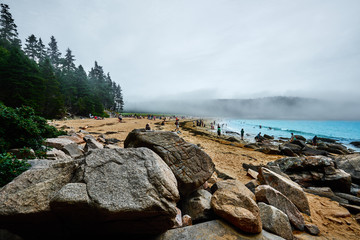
[[219, 130], [177, 125], [242, 134]]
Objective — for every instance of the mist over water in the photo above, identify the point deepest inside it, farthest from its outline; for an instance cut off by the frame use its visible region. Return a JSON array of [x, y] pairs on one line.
[[260, 108]]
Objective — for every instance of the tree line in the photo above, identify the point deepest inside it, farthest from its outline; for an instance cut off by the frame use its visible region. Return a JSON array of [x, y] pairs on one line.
[[40, 77]]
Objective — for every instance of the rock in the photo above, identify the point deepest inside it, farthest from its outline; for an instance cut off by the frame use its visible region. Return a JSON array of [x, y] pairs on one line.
[[340, 181], [312, 229], [327, 140], [22, 153], [275, 221], [269, 150], [252, 146], [355, 189], [321, 191], [130, 189], [269, 195], [186, 219], [299, 142], [356, 144], [299, 137], [333, 148], [58, 143], [197, 205], [268, 137], [178, 219], [235, 203], [295, 149], [287, 187], [39, 163], [72, 150], [287, 151], [76, 137], [252, 185], [219, 230], [352, 208], [190, 165], [6, 235], [111, 146], [357, 217], [309, 151], [55, 154], [351, 165], [252, 173], [352, 199], [25, 201], [91, 143]]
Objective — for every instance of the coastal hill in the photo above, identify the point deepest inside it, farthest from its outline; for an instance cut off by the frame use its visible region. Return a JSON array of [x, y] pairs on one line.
[[278, 107]]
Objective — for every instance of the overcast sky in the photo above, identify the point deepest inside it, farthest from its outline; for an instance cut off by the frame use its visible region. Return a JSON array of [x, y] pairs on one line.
[[207, 48]]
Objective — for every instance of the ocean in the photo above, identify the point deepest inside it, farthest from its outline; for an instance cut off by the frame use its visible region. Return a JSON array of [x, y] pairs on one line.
[[343, 131]]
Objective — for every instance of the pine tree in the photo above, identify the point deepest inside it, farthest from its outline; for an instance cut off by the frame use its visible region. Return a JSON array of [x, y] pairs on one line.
[[41, 52], [53, 52], [8, 30], [68, 61], [31, 47]]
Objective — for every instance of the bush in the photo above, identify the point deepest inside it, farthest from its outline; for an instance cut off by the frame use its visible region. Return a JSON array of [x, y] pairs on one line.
[[11, 167], [20, 127]]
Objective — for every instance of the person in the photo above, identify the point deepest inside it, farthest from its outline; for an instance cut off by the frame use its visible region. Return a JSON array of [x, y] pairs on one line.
[[258, 137], [219, 130], [163, 122], [147, 127], [242, 134], [314, 140], [293, 138], [120, 118], [177, 125]]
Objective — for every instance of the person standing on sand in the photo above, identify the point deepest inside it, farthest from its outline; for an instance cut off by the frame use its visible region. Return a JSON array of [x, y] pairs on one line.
[[177, 125], [219, 130], [242, 134]]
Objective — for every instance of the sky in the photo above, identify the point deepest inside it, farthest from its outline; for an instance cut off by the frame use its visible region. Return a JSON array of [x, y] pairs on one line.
[[198, 49]]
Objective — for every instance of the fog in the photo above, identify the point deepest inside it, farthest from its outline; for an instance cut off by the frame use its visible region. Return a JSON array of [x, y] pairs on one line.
[[179, 56], [258, 108]]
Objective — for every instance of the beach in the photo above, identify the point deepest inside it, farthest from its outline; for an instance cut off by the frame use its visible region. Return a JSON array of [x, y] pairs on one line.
[[334, 221]]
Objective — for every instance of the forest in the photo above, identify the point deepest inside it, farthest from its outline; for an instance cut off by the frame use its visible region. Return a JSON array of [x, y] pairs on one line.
[[43, 78]]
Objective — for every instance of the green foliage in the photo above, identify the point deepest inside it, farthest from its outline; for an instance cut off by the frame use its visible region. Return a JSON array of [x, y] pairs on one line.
[[52, 85], [20, 128], [11, 167]]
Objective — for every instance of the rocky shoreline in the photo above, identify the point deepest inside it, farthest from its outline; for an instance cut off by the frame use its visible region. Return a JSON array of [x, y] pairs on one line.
[[160, 186]]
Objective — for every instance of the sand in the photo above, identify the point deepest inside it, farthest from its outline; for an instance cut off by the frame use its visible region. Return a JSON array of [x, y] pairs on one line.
[[334, 221]]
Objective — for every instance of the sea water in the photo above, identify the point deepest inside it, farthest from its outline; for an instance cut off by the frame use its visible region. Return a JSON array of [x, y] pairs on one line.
[[342, 131]]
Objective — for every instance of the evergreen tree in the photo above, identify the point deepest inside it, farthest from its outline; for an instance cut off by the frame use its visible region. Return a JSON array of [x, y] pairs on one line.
[[41, 51], [53, 52], [31, 47], [68, 62], [54, 106], [8, 30]]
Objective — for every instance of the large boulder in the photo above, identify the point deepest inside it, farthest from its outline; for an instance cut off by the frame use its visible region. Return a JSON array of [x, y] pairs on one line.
[[287, 187], [25, 201], [214, 230], [190, 165], [91, 143], [269, 195], [275, 221], [234, 202], [351, 165], [129, 189]]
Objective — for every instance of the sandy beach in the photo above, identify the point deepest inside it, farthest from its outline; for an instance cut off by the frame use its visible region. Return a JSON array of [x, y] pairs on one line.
[[334, 221]]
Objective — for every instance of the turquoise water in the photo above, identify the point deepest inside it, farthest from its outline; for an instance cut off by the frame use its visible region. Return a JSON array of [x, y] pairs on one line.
[[343, 131]]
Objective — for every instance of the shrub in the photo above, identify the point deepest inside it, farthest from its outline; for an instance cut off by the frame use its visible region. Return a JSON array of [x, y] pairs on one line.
[[11, 167], [20, 127]]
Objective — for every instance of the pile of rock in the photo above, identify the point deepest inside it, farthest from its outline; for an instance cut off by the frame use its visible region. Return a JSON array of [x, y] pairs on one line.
[[300, 147], [153, 188], [337, 178]]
